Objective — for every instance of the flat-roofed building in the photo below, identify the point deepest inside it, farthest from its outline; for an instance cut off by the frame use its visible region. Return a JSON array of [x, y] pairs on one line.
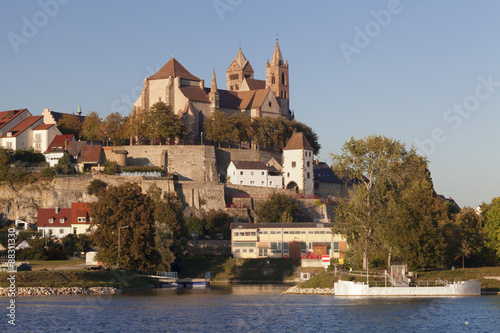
[[290, 240]]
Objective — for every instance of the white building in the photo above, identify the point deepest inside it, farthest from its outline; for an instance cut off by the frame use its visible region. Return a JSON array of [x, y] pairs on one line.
[[11, 118], [298, 164], [43, 135], [57, 148], [252, 173], [21, 136], [285, 240], [54, 221]]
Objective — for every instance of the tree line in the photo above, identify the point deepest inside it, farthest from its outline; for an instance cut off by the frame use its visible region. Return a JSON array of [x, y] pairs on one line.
[[158, 125], [270, 133], [394, 214]]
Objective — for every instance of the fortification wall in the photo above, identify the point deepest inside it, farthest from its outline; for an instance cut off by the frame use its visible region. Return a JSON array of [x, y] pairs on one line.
[[196, 163]]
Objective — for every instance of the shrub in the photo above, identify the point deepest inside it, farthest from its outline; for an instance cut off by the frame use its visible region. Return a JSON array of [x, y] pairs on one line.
[[48, 172], [111, 167], [95, 186]]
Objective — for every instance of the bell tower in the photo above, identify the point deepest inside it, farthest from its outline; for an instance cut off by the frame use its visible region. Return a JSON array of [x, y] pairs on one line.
[[277, 79], [239, 69]]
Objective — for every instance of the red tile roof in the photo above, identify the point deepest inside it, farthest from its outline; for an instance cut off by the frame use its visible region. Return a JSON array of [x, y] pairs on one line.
[[59, 142], [175, 69], [43, 127], [45, 214], [91, 154], [254, 84], [21, 127], [80, 209], [298, 141], [195, 94], [7, 116], [242, 100]]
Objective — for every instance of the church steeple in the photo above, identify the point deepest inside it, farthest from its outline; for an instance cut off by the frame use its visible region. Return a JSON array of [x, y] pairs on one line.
[[277, 79], [239, 69], [213, 95], [79, 111]]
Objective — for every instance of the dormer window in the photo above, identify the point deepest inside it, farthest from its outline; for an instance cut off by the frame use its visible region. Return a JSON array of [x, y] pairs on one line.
[[81, 219], [51, 220], [9, 134], [61, 220]]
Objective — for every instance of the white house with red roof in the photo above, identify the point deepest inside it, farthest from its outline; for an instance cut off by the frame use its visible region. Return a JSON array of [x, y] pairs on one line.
[[11, 118], [57, 148], [21, 136], [54, 221], [43, 135], [80, 218]]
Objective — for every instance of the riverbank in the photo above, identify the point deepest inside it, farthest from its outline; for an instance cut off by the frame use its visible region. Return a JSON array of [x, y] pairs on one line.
[[79, 279], [45, 291]]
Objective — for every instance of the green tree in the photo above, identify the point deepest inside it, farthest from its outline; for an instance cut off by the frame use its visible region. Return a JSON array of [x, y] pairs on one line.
[[92, 127], [492, 224], [218, 222], [63, 166], [218, 128], [170, 225], [29, 155], [241, 128], [162, 123], [472, 237], [136, 125], [195, 225], [126, 210], [95, 186], [112, 128], [70, 124], [393, 203], [111, 167], [279, 207]]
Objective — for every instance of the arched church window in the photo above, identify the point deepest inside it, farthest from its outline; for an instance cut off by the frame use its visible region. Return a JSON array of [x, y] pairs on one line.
[[282, 78], [273, 79]]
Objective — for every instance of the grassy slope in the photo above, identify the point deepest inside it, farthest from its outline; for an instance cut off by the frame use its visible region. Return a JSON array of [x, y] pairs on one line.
[[76, 278]]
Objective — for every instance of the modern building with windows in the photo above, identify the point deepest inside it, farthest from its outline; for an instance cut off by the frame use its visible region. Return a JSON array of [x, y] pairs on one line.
[[285, 240]]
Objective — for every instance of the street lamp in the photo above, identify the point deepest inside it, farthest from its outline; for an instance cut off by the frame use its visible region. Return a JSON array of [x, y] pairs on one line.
[[119, 247]]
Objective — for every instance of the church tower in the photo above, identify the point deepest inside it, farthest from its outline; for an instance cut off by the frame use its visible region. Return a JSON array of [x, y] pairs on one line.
[[239, 69], [277, 80], [298, 164], [213, 95]]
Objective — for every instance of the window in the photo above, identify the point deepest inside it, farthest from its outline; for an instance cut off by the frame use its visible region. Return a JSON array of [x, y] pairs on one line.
[[241, 182], [270, 183], [61, 220], [51, 220], [285, 246], [234, 76], [243, 244], [262, 182], [322, 185], [293, 164], [262, 252], [308, 164], [262, 173], [310, 245], [282, 78], [244, 250], [335, 247], [237, 251], [61, 231], [250, 250], [8, 145], [308, 175], [251, 173], [241, 173], [288, 174], [252, 182], [275, 246], [82, 219], [74, 231], [285, 232], [273, 79]]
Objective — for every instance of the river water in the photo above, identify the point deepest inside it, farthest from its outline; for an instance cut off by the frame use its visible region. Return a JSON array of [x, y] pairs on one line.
[[249, 308]]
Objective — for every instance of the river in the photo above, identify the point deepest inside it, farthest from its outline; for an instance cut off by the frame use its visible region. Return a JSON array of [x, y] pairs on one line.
[[250, 308]]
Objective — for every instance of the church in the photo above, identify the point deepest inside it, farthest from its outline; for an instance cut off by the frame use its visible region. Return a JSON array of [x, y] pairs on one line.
[[194, 103]]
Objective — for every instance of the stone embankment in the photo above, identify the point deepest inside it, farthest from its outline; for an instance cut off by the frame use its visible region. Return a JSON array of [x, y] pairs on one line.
[[310, 291], [44, 291]]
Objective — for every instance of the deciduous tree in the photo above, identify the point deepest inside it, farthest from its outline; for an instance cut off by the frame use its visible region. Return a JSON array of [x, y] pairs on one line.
[[70, 124], [279, 207], [92, 127]]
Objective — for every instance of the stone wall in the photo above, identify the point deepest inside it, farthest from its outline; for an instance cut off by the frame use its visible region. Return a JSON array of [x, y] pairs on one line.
[[196, 163]]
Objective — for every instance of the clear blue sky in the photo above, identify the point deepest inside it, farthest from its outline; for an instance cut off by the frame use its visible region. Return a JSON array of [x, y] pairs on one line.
[[423, 72]]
